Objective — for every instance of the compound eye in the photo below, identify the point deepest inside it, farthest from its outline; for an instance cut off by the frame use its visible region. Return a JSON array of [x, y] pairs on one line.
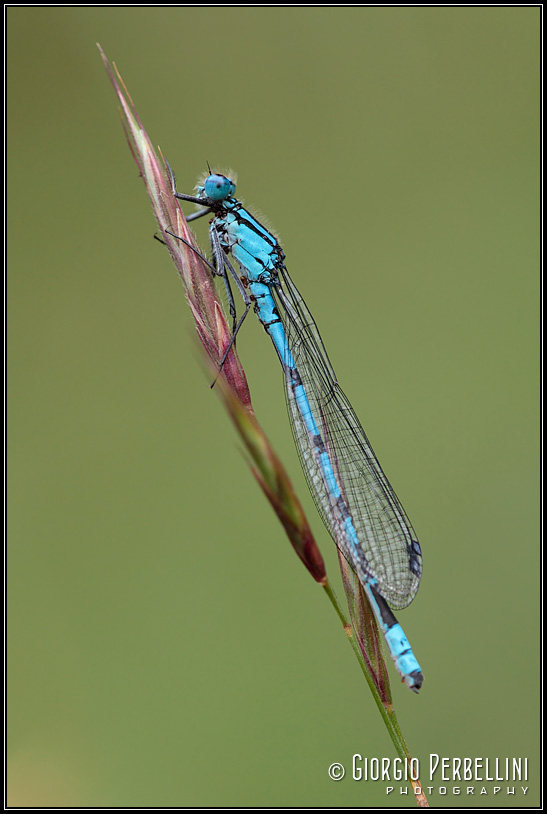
[[218, 187]]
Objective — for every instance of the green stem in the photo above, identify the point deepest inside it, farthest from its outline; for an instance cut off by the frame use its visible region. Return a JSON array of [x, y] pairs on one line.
[[386, 711]]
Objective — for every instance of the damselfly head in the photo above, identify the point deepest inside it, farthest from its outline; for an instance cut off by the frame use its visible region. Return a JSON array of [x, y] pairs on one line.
[[217, 185]]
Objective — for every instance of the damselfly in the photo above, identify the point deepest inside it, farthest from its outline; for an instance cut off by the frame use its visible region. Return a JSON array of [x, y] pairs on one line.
[[353, 495]]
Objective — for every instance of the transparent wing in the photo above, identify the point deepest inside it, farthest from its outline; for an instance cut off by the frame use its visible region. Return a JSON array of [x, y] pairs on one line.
[[390, 551]]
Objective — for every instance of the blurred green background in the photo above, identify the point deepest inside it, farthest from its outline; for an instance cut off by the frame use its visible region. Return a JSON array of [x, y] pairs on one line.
[[166, 647]]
